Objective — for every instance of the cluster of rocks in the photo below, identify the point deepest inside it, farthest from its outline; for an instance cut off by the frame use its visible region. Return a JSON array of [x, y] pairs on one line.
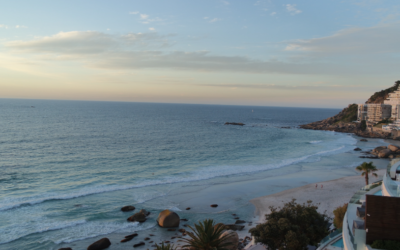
[[234, 123], [390, 152], [171, 221]]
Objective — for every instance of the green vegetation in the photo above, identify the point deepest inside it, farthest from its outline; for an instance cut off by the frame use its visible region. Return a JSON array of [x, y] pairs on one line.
[[386, 244], [293, 227], [363, 125], [339, 213], [366, 169], [383, 122], [165, 247], [348, 114], [380, 96], [207, 236]]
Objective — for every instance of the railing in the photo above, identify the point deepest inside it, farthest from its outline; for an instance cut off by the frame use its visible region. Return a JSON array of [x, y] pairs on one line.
[[329, 238]]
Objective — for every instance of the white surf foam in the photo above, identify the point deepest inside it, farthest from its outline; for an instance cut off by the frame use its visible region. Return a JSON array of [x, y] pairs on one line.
[[315, 142]]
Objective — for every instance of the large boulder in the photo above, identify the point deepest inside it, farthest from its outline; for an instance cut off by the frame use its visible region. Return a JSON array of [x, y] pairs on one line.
[[384, 153], [168, 219], [233, 238], [393, 148], [234, 227], [100, 244], [139, 217]]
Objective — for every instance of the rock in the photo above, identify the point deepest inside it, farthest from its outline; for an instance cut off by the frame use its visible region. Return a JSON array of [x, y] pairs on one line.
[[139, 244], [131, 235], [182, 230], [188, 208], [171, 229], [65, 248], [378, 149], [214, 205], [234, 227], [240, 222], [384, 153], [168, 219], [363, 140], [147, 213], [127, 208], [234, 123], [126, 239], [357, 149], [139, 217], [233, 237], [393, 148], [147, 238], [184, 219], [236, 218], [100, 244]]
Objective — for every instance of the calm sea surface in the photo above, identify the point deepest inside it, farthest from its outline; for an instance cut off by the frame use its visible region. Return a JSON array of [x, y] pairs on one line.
[[67, 167]]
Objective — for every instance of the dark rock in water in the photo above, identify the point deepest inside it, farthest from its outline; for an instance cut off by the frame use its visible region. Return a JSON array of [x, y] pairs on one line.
[[182, 230], [140, 216], [188, 208], [100, 244], [234, 123], [65, 248], [151, 234], [168, 219], [236, 218], [171, 229], [184, 219], [127, 239], [357, 149], [214, 205], [234, 227], [151, 241], [234, 214], [78, 205], [147, 238], [363, 140], [127, 208], [240, 222], [131, 235], [185, 225], [139, 244]]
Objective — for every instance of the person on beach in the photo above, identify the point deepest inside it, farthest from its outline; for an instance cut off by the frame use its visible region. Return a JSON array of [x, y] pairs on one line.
[[322, 186], [316, 185]]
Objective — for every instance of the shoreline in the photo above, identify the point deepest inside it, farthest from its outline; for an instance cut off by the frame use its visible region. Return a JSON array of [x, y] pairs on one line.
[[333, 194]]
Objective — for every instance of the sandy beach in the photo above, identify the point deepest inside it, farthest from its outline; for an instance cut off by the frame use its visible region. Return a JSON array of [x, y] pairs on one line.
[[334, 193]]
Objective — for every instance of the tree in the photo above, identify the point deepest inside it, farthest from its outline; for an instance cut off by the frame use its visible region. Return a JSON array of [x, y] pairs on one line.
[[292, 227], [207, 236], [339, 213], [367, 168], [363, 125], [165, 247]]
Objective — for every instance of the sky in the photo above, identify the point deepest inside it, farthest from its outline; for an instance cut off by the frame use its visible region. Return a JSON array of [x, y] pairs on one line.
[[308, 53]]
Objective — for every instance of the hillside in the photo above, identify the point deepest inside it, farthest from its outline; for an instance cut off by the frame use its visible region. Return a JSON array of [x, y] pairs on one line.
[[344, 121], [380, 96]]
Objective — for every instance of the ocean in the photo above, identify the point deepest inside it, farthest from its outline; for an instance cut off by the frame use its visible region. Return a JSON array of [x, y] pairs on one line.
[[67, 167]]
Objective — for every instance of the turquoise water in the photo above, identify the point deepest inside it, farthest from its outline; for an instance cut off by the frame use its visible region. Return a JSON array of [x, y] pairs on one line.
[[339, 243], [379, 193], [67, 167]]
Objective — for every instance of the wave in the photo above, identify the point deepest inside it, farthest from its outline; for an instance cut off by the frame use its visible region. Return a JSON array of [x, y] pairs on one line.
[[198, 175], [14, 234], [315, 142]]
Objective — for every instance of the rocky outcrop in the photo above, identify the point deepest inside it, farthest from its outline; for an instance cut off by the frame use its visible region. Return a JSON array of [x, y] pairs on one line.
[[168, 219], [231, 237], [393, 148], [234, 227], [390, 151], [100, 244], [139, 217], [65, 248], [234, 123]]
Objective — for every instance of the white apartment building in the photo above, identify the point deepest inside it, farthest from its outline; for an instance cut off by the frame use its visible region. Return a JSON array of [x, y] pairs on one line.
[[374, 112], [394, 101]]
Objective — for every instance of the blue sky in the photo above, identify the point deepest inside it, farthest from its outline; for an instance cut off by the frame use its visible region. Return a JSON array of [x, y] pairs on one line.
[[273, 53]]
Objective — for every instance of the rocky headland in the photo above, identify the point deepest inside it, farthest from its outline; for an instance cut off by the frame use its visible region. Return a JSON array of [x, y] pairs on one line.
[[345, 121]]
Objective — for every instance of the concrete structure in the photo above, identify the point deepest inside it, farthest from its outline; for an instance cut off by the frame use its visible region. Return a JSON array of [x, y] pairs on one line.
[[394, 101], [374, 112]]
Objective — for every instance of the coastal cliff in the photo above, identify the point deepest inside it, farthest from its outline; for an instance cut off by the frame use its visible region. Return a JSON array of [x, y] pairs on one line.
[[344, 121]]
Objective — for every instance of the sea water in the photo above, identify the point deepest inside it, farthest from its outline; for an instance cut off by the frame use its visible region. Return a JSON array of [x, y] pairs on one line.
[[67, 167]]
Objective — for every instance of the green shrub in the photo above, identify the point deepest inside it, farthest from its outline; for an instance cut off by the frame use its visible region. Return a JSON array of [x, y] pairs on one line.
[[386, 244], [363, 125], [165, 247], [339, 213]]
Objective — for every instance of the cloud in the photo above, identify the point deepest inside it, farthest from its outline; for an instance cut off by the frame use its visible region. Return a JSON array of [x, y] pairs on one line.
[[144, 18], [3, 26], [20, 27], [88, 42], [211, 20], [291, 8], [152, 29], [225, 2], [379, 39], [273, 14]]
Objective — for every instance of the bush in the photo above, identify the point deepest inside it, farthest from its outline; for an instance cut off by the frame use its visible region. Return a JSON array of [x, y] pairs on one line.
[[386, 244], [292, 227], [339, 213]]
